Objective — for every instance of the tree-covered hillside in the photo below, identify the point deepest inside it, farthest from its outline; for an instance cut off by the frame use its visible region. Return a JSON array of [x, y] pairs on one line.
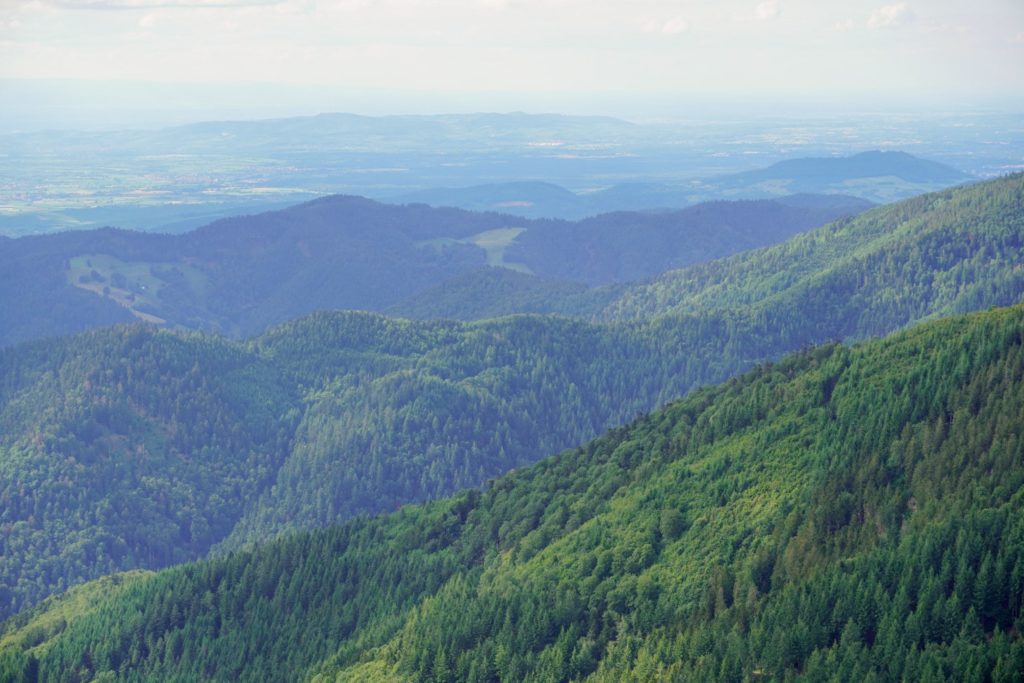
[[132, 447], [236, 275], [625, 246], [495, 292], [123, 448], [129, 448], [942, 253], [845, 514], [239, 275]]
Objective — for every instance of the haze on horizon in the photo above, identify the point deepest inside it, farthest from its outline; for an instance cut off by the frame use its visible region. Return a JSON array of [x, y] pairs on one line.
[[285, 57]]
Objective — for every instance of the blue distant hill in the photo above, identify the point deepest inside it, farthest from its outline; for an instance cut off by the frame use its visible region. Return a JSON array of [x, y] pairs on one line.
[[875, 176], [816, 171]]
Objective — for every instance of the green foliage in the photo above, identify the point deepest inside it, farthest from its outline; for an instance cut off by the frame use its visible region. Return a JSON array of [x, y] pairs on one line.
[[410, 411], [494, 292], [129, 448], [932, 255], [239, 275], [844, 514], [938, 254], [626, 247], [125, 448]]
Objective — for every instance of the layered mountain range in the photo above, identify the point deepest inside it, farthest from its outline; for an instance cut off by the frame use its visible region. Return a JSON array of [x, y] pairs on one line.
[[874, 176], [238, 276], [845, 513], [136, 447]]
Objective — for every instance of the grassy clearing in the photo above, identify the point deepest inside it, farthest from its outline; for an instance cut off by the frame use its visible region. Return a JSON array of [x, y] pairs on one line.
[[493, 242], [135, 285]]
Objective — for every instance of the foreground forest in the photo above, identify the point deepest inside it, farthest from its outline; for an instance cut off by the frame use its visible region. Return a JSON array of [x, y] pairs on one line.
[[131, 448], [844, 514]]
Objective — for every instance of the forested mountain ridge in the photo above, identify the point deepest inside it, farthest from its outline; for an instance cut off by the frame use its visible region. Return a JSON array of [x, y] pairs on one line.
[[941, 252], [931, 255], [846, 513], [239, 275], [123, 448], [494, 292], [234, 275], [358, 414], [132, 447], [627, 246]]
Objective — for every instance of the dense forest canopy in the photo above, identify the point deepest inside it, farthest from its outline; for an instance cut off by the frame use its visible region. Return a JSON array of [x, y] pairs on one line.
[[134, 448], [239, 275], [937, 254], [843, 514]]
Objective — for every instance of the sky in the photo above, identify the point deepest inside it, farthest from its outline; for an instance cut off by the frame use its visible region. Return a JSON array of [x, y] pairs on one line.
[[935, 50]]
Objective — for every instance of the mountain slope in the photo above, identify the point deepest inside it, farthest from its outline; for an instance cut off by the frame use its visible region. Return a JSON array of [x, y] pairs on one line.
[[495, 292], [125, 449], [358, 414], [238, 276], [941, 253], [131, 447], [846, 512], [622, 247], [235, 275], [936, 254]]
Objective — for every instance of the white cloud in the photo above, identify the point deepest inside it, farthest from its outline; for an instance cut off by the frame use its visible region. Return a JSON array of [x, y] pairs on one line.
[[155, 4], [889, 16], [669, 27], [674, 26], [768, 9], [534, 44]]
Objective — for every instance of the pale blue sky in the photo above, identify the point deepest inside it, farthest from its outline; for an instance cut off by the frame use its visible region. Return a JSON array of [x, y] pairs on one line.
[[858, 48]]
